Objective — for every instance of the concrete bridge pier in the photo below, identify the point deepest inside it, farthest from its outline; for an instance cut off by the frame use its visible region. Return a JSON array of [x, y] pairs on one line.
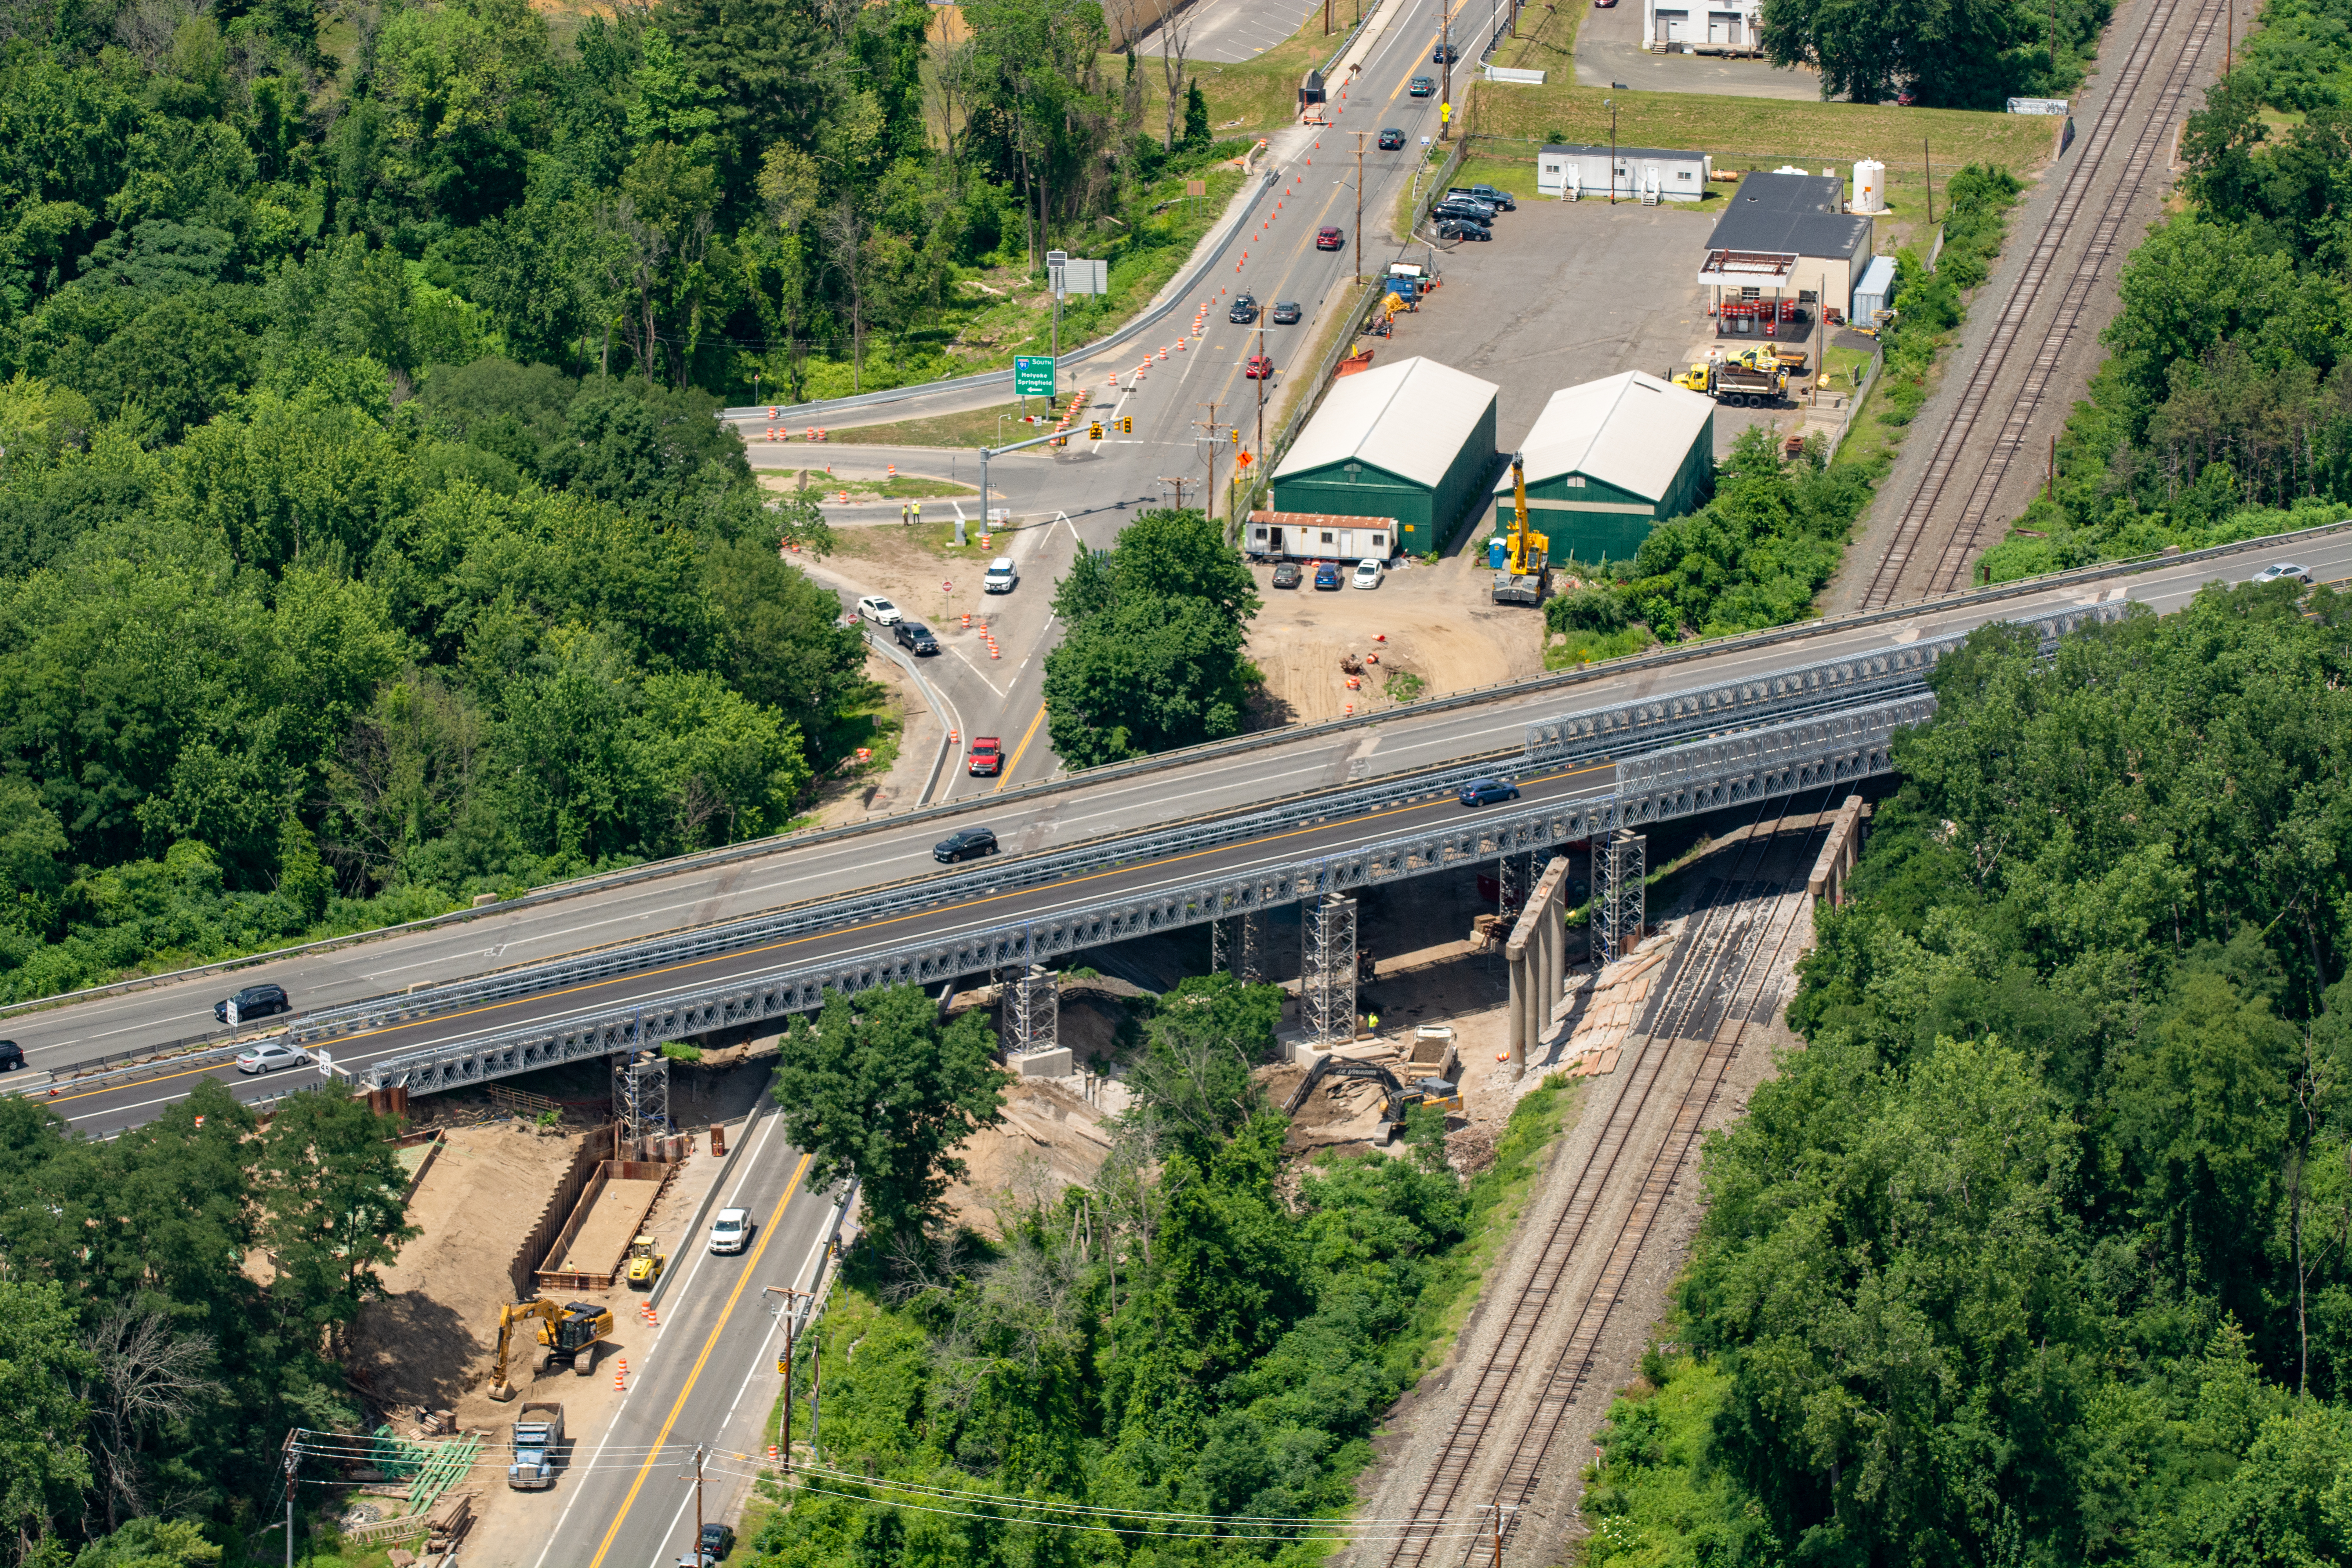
[[1537, 954]]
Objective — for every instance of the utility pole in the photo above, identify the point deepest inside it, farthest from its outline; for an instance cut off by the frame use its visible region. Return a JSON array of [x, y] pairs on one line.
[[1260, 448], [784, 1365], [1359, 208], [1612, 106], [292, 1460], [697, 1502], [1444, 72], [1209, 497]]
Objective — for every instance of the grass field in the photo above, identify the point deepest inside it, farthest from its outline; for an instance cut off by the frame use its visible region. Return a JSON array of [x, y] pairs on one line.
[[1762, 132], [979, 427], [1256, 96], [905, 487]]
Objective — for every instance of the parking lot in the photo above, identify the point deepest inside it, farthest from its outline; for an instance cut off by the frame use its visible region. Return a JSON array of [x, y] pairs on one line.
[[1569, 293]]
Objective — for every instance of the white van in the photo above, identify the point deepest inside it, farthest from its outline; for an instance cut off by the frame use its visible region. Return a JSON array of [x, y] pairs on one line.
[[1001, 575]]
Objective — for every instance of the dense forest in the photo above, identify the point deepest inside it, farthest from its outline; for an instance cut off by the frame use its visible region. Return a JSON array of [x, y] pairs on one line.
[[1194, 1334], [366, 539], [2224, 410], [172, 1302], [2040, 1251]]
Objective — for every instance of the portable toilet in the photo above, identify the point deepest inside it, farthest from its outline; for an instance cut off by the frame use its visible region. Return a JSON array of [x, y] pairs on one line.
[[1870, 186], [1498, 552]]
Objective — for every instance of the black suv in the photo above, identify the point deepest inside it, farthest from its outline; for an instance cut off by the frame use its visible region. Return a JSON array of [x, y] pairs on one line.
[[1501, 201], [1245, 309], [964, 844], [254, 1002], [915, 636], [12, 1056], [1391, 139], [1444, 55]]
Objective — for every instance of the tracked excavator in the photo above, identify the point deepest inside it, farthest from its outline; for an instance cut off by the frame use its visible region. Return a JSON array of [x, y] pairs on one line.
[[571, 1333], [1525, 573], [1397, 1098]]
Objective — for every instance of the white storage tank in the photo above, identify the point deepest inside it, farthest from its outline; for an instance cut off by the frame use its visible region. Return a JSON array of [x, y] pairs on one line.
[[1870, 186]]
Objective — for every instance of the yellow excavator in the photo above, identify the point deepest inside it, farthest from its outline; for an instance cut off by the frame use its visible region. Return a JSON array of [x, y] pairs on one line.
[[1524, 571], [571, 1333]]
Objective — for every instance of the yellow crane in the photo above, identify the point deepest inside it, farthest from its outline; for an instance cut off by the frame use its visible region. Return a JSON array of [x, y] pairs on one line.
[[571, 1333], [1526, 554]]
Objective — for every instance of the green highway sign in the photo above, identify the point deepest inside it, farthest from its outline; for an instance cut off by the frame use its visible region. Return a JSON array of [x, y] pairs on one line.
[[1033, 376]]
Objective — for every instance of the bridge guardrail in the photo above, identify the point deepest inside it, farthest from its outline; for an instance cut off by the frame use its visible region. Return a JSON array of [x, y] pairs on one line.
[[1816, 751], [1499, 691]]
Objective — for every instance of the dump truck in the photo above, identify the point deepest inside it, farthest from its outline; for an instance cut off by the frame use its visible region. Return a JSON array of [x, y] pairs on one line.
[[1525, 570], [1736, 385], [538, 1433]]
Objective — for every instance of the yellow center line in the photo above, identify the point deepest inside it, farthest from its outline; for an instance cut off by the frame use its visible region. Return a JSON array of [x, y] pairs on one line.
[[634, 976], [1005, 776], [653, 1456]]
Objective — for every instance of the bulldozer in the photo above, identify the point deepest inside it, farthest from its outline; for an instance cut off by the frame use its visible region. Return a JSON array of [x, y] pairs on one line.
[[647, 1260], [1525, 573], [571, 1333]]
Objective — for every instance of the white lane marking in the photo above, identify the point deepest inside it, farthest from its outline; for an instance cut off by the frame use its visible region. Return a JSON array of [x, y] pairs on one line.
[[975, 669], [749, 1158], [662, 1558]]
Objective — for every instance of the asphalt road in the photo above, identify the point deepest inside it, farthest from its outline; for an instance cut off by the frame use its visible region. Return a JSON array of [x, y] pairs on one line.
[[1079, 496], [707, 1376], [1400, 743]]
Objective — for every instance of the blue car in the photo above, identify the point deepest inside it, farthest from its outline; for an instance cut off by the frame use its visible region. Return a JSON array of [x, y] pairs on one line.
[[1486, 792], [1327, 573]]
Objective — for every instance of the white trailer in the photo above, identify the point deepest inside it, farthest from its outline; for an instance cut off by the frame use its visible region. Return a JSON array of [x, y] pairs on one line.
[[1318, 536]]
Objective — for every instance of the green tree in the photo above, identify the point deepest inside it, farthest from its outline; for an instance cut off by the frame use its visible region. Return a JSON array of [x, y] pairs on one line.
[[1147, 676], [333, 1209], [876, 1088], [44, 1469]]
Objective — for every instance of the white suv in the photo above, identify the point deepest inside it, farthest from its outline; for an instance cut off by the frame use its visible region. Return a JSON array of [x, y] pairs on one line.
[[1001, 575], [731, 1230]]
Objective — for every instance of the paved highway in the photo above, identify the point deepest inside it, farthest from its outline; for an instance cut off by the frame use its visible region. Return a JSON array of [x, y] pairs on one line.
[[1400, 743], [707, 1375], [1080, 496]]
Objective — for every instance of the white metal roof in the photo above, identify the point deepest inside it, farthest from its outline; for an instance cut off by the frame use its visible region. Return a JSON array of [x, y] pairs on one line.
[[1632, 431], [1409, 418]]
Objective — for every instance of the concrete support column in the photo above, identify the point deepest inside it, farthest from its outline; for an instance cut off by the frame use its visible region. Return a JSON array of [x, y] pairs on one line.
[[1537, 954]]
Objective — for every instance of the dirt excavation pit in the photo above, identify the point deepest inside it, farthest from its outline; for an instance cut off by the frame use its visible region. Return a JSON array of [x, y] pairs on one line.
[[1055, 1130], [610, 1225], [440, 1314], [1442, 630]]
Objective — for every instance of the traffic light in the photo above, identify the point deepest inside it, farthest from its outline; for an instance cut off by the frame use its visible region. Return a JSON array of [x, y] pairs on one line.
[[1095, 431], [1238, 434], [1127, 425]]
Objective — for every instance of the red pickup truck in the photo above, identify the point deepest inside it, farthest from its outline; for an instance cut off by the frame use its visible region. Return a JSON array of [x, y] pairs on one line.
[[987, 757]]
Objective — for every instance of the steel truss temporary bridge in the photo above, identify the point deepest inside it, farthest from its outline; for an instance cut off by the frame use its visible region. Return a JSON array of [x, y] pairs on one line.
[[1821, 752]]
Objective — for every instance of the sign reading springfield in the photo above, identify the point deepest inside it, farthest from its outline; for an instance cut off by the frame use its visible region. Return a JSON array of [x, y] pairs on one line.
[[1033, 376]]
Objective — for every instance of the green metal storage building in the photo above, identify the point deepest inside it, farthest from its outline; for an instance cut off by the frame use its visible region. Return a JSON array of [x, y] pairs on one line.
[[1610, 460], [1413, 441]]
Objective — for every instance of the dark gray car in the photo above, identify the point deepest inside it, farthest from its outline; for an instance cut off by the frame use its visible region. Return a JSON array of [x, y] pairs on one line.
[[963, 845]]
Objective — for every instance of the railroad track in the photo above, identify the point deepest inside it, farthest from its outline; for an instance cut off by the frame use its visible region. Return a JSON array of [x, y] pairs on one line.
[[1717, 987], [1959, 436]]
